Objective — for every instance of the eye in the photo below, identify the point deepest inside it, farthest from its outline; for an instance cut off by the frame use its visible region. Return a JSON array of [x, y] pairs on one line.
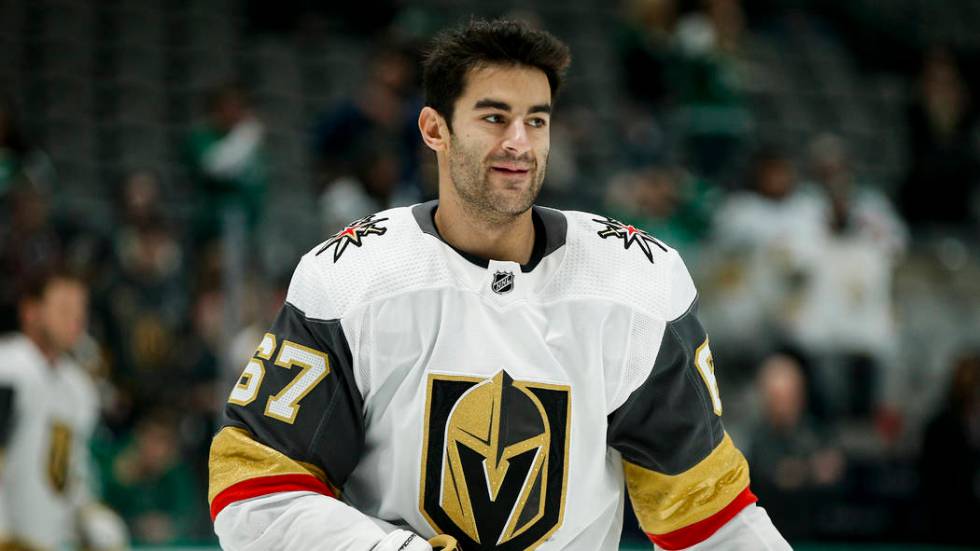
[[493, 119], [537, 122]]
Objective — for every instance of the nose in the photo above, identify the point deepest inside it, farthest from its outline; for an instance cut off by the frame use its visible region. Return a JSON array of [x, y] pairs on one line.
[[516, 141]]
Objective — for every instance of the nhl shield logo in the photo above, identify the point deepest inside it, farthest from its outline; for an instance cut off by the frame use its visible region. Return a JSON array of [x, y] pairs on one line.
[[503, 282]]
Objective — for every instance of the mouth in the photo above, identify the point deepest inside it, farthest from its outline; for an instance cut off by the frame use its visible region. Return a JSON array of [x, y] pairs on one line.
[[510, 170]]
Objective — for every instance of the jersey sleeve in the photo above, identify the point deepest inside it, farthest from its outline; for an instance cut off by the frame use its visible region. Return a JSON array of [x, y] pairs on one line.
[[293, 422], [685, 477]]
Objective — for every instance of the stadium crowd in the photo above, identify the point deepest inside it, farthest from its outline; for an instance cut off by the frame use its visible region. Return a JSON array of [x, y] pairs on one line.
[[801, 251]]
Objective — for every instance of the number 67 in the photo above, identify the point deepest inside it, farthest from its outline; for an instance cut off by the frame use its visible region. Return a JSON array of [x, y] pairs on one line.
[[284, 405]]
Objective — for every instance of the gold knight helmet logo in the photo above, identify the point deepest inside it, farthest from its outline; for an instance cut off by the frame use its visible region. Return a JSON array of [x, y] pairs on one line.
[[495, 463]]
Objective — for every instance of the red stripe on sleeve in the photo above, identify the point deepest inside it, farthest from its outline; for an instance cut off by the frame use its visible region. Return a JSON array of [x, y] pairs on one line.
[[703, 529], [267, 485]]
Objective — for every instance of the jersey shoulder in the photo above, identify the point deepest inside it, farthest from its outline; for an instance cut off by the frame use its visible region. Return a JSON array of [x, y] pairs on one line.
[[22, 363], [618, 261], [382, 254], [84, 386]]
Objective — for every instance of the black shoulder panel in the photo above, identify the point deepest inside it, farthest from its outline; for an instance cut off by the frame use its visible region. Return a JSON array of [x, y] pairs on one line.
[[319, 423], [668, 424]]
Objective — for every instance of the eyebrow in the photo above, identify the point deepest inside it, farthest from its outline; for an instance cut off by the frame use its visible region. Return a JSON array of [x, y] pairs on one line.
[[487, 103]]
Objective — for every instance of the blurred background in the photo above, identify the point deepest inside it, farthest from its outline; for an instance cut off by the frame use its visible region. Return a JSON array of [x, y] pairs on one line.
[[816, 163]]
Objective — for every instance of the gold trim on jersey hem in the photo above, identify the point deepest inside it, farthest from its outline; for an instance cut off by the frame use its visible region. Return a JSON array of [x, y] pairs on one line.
[[665, 503], [236, 457]]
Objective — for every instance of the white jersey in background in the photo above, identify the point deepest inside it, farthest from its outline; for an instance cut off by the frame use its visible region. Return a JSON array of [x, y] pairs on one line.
[[48, 414]]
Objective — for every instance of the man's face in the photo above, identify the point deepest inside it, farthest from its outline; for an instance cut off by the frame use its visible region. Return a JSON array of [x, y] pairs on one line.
[[63, 313], [498, 150], [777, 178]]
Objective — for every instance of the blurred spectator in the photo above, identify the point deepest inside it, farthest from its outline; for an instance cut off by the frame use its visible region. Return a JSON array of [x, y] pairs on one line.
[[227, 163], [857, 205], [765, 238], [944, 176], [139, 199], [368, 146], [28, 243], [195, 361], [845, 318], [666, 202], [149, 483], [142, 304], [950, 462], [262, 303], [367, 189], [644, 49], [794, 468], [706, 82]]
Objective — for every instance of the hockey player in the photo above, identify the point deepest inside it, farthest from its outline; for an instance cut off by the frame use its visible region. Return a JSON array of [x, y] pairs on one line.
[[480, 372], [48, 409]]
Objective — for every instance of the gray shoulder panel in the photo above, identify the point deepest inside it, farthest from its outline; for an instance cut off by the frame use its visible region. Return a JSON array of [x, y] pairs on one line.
[[328, 429], [668, 424]]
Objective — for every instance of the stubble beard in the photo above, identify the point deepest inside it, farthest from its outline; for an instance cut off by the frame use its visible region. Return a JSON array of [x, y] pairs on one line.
[[471, 180]]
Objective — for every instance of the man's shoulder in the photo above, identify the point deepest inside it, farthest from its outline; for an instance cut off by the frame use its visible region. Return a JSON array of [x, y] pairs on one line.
[[79, 378], [379, 254], [618, 260], [616, 244], [22, 364], [360, 240]]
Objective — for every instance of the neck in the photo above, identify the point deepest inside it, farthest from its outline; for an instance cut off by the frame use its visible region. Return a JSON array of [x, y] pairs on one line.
[[484, 235], [49, 352]]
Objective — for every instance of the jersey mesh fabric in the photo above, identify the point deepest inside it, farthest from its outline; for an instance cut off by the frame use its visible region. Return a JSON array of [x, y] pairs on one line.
[[601, 268], [644, 343], [402, 261], [399, 261], [604, 270]]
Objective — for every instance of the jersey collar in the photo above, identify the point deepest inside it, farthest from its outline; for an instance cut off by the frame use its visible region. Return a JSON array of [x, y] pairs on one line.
[[550, 228]]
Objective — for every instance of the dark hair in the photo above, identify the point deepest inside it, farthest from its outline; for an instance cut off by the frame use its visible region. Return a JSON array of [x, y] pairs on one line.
[[36, 283], [454, 52]]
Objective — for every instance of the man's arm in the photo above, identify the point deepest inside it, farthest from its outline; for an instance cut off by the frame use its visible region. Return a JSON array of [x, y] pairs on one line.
[[293, 432], [284, 518], [688, 482]]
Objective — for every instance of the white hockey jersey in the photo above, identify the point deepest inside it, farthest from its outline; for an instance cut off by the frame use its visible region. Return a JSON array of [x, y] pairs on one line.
[[48, 416], [508, 406]]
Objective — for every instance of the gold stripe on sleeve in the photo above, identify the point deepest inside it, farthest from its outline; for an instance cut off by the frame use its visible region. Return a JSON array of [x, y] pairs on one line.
[[237, 457], [665, 503]]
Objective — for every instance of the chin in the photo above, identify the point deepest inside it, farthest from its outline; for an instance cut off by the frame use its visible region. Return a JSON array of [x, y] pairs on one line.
[[514, 206]]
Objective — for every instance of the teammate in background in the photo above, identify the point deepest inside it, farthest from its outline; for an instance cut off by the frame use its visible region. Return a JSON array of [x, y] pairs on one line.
[[479, 371], [48, 409]]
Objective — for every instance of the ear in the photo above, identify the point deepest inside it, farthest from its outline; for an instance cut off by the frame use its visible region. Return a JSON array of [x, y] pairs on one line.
[[27, 313], [435, 132]]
